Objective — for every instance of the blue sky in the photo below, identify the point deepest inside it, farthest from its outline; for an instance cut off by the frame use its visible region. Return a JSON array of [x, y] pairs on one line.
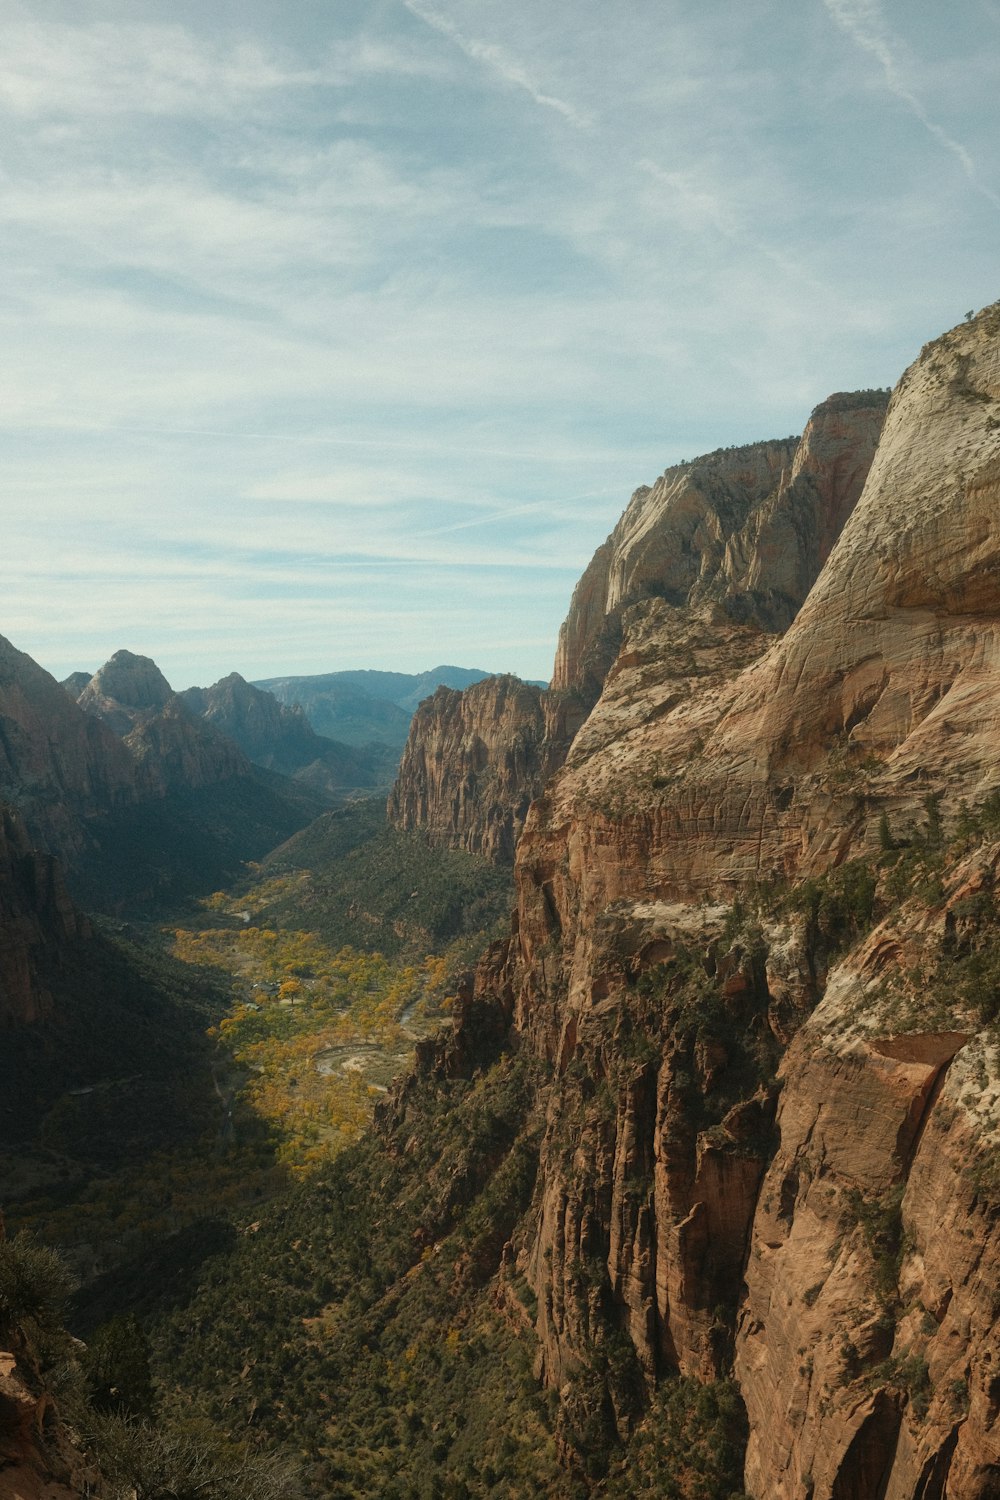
[[338, 334]]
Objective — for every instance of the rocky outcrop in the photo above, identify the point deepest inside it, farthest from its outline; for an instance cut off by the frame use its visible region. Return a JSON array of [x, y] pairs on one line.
[[38, 924], [75, 683], [472, 764], [700, 567], [716, 759], [867, 1337], [173, 751], [740, 533], [883, 690], [58, 766], [160, 807], [40, 1457], [126, 691]]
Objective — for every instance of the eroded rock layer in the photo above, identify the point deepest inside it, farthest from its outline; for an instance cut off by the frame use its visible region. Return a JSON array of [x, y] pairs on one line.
[[749, 1087], [741, 534], [719, 551], [472, 764]]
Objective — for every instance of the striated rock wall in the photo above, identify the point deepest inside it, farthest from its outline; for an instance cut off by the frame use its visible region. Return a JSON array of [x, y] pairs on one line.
[[731, 540], [715, 758], [867, 1336], [883, 690], [472, 764], [742, 533]]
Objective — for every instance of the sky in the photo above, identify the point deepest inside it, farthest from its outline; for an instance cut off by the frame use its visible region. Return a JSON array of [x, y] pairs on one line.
[[338, 334]]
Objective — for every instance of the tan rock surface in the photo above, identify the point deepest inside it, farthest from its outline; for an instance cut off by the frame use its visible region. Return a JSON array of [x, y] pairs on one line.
[[715, 758], [868, 1333], [125, 691], [472, 764], [716, 552], [743, 531]]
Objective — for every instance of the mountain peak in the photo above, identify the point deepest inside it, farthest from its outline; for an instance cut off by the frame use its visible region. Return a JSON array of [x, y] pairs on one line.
[[126, 689]]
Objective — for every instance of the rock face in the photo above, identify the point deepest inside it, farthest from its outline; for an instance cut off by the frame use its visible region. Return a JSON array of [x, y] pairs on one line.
[[126, 690], [734, 539], [137, 810], [41, 1458], [279, 737], [58, 765], [863, 1216], [75, 683], [174, 751], [740, 533], [473, 762], [37, 919]]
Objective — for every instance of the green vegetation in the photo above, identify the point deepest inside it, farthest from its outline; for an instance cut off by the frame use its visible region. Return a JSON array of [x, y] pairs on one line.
[[689, 1446], [356, 882], [166, 851], [35, 1285], [880, 1220], [376, 1357]]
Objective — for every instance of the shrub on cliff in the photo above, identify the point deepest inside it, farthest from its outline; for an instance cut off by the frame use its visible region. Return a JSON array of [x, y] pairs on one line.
[[35, 1284]]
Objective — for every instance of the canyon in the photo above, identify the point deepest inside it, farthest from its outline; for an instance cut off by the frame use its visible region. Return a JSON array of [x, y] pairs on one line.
[[749, 994]]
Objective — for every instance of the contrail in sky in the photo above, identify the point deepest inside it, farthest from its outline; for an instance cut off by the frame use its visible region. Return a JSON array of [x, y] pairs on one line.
[[508, 68], [864, 23]]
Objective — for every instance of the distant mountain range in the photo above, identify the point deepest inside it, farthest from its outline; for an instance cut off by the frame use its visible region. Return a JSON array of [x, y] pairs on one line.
[[366, 707]]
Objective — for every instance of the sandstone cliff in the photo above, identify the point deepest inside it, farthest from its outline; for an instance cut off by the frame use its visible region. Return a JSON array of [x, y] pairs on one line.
[[740, 533], [824, 773], [473, 762], [734, 539]]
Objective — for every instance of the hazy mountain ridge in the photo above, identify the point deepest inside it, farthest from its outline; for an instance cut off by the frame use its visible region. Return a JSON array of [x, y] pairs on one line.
[[361, 706], [145, 808]]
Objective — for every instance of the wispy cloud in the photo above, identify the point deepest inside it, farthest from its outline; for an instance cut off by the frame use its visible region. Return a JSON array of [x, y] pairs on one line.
[[500, 62], [864, 23], [701, 207], [103, 69]]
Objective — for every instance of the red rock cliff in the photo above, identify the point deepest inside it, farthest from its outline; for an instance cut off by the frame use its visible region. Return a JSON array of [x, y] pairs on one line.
[[735, 538], [472, 764], [870, 1243]]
